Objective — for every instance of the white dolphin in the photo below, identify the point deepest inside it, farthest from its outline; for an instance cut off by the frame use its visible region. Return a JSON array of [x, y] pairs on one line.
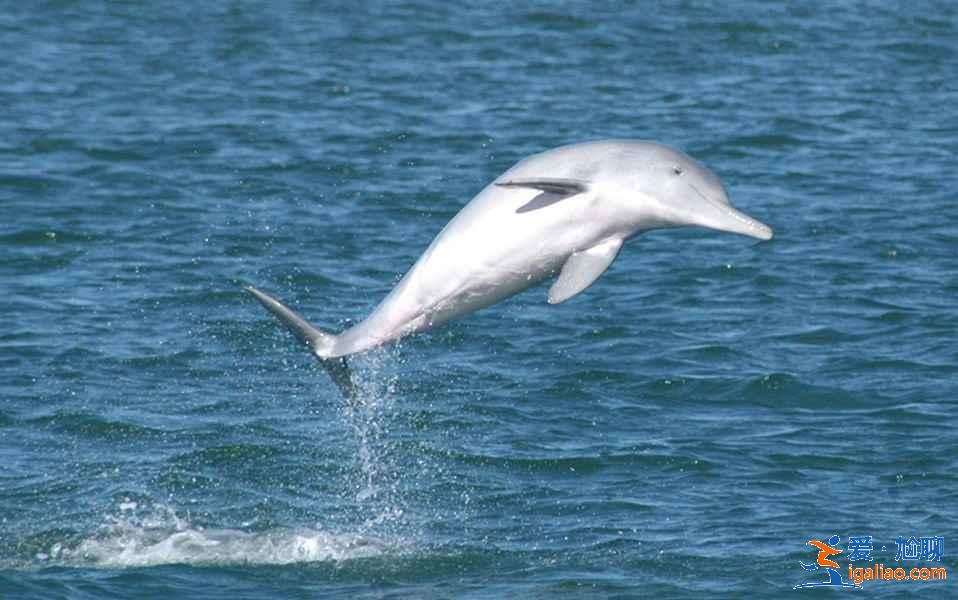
[[565, 211]]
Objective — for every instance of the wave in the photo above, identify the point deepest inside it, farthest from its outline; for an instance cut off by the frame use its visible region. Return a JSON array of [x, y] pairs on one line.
[[223, 547], [160, 537]]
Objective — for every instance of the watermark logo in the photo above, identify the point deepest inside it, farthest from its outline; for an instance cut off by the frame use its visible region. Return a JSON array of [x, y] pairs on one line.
[[860, 549], [829, 566]]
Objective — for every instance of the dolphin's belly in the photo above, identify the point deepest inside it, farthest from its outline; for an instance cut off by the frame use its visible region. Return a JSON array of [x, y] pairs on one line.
[[485, 254], [457, 276], [489, 252]]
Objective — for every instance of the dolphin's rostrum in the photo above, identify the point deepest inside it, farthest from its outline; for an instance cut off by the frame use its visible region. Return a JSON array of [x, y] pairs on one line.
[[565, 211]]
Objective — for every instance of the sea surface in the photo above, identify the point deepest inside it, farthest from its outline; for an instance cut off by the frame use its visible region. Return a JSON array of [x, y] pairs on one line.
[[679, 430]]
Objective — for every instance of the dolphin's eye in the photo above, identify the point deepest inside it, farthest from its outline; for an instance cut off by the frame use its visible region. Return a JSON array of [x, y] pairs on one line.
[[677, 170]]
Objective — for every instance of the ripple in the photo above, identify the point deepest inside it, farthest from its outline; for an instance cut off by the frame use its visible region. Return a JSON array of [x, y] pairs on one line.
[[43, 237], [786, 390], [95, 426], [817, 336], [232, 454]]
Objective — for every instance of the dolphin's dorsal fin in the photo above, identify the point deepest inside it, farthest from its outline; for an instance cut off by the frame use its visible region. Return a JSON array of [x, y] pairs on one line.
[[582, 269], [562, 187]]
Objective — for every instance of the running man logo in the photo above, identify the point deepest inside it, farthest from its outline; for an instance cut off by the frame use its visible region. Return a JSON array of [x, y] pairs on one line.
[[828, 565], [862, 549]]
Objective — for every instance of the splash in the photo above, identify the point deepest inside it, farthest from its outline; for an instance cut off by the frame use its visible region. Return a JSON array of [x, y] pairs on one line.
[[143, 533], [135, 538], [369, 415]]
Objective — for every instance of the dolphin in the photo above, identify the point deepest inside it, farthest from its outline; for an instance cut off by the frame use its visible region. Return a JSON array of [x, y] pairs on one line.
[[566, 211]]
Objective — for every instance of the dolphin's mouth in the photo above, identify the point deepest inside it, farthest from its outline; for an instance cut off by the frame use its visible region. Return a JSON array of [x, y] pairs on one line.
[[725, 217]]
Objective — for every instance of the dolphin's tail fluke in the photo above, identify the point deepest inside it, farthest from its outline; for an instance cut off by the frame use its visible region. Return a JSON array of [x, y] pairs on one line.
[[319, 342]]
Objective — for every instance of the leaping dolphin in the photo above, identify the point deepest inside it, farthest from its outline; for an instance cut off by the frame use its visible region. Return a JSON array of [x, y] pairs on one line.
[[566, 211]]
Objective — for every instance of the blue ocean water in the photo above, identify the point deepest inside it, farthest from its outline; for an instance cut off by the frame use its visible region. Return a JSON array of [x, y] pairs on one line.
[[680, 430]]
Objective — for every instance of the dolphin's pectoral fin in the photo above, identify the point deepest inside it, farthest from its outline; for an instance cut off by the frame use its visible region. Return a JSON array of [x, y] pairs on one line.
[[540, 201], [552, 190], [582, 269]]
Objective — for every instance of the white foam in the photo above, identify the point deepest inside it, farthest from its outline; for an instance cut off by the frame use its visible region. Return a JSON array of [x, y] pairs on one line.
[[162, 538], [141, 534], [225, 547]]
